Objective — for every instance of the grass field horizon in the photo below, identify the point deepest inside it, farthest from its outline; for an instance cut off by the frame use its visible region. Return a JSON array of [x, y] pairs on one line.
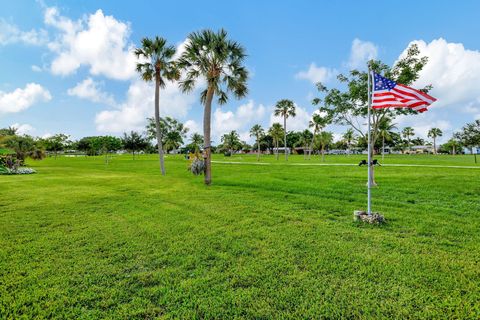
[[82, 239]]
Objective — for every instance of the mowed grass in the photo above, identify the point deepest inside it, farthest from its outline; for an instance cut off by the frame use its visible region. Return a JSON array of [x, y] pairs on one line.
[[84, 240]]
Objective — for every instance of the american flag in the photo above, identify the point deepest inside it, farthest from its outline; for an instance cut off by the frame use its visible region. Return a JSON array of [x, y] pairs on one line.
[[389, 94]]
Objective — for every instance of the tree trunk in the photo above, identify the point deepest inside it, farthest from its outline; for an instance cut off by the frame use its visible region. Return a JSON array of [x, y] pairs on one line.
[[285, 137], [305, 152], [258, 148], [474, 154], [323, 154], [276, 147], [207, 118], [434, 146], [409, 147], [157, 121], [383, 147], [133, 154], [453, 150]]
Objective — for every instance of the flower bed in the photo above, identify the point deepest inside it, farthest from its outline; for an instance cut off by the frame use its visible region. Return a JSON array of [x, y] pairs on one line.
[[21, 170]]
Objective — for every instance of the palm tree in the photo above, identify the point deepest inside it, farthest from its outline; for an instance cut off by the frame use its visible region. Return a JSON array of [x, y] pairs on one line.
[[434, 133], [218, 60], [285, 108], [348, 137], [159, 66], [196, 141], [231, 141], [408, 132], [276, 132], [257, 132], [385, 127], [305, 141], [318, 123]]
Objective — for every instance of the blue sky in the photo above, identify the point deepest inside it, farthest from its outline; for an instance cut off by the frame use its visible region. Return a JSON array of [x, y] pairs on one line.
[[66, 64]]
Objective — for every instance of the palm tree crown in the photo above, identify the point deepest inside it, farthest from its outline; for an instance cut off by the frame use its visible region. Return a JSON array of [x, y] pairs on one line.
[[158, 64], [219, 61], [285, 108]]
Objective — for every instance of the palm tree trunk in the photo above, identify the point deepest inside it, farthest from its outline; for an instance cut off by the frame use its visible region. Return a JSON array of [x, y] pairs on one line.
[[157, 122], [311, 144], [323, 154], [258, 146], [207, 118], [383, 147], [276, 147], [453, 150], [285, 137], [434, 147]]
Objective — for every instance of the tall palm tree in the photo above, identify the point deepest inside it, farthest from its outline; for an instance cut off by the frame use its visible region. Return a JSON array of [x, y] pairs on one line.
[[213, 57], [158, 67], [385, 127], [257, 132], [434, 133], [349, 137], [408, 132], [285, 108], [318, 123], [276, 132]]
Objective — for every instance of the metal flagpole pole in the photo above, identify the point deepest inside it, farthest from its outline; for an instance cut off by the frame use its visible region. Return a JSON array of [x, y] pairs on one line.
[[369, 183]]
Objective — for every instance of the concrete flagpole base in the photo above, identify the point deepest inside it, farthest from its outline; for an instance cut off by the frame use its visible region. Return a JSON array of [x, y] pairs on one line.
[[374, 218]]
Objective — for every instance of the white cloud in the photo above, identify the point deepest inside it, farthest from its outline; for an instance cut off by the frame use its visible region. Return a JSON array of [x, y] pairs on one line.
[[454, 72], [139, 105], [241, 120], [422, 123], [23, 128], [90, 90], [36, 68], [361, 52], [298, 123], [10, 34], [97, 41], [316, 74], [193, 127], [21, 99]]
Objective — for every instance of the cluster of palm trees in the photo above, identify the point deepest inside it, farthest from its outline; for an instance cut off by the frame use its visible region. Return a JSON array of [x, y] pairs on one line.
[[209, 56]]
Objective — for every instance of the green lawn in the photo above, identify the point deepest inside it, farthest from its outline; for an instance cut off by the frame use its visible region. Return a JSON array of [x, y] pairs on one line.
[[80, 239]]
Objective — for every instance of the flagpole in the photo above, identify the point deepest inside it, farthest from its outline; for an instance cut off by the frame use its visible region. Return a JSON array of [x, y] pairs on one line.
[[369, 183]]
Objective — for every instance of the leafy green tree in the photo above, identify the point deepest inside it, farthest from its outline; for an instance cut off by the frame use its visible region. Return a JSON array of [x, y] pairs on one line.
[[56, 143], [158, 66], [452, 146], [172, 132], [108, 144], [318, 123], [213, 57], [276, 132], [133, 142], [231, 141], [469, 136], [257, 132], [349, 139], [408, 133], [350, 106], [9, 131], [434, 133], [385, 128], [285, 108]]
